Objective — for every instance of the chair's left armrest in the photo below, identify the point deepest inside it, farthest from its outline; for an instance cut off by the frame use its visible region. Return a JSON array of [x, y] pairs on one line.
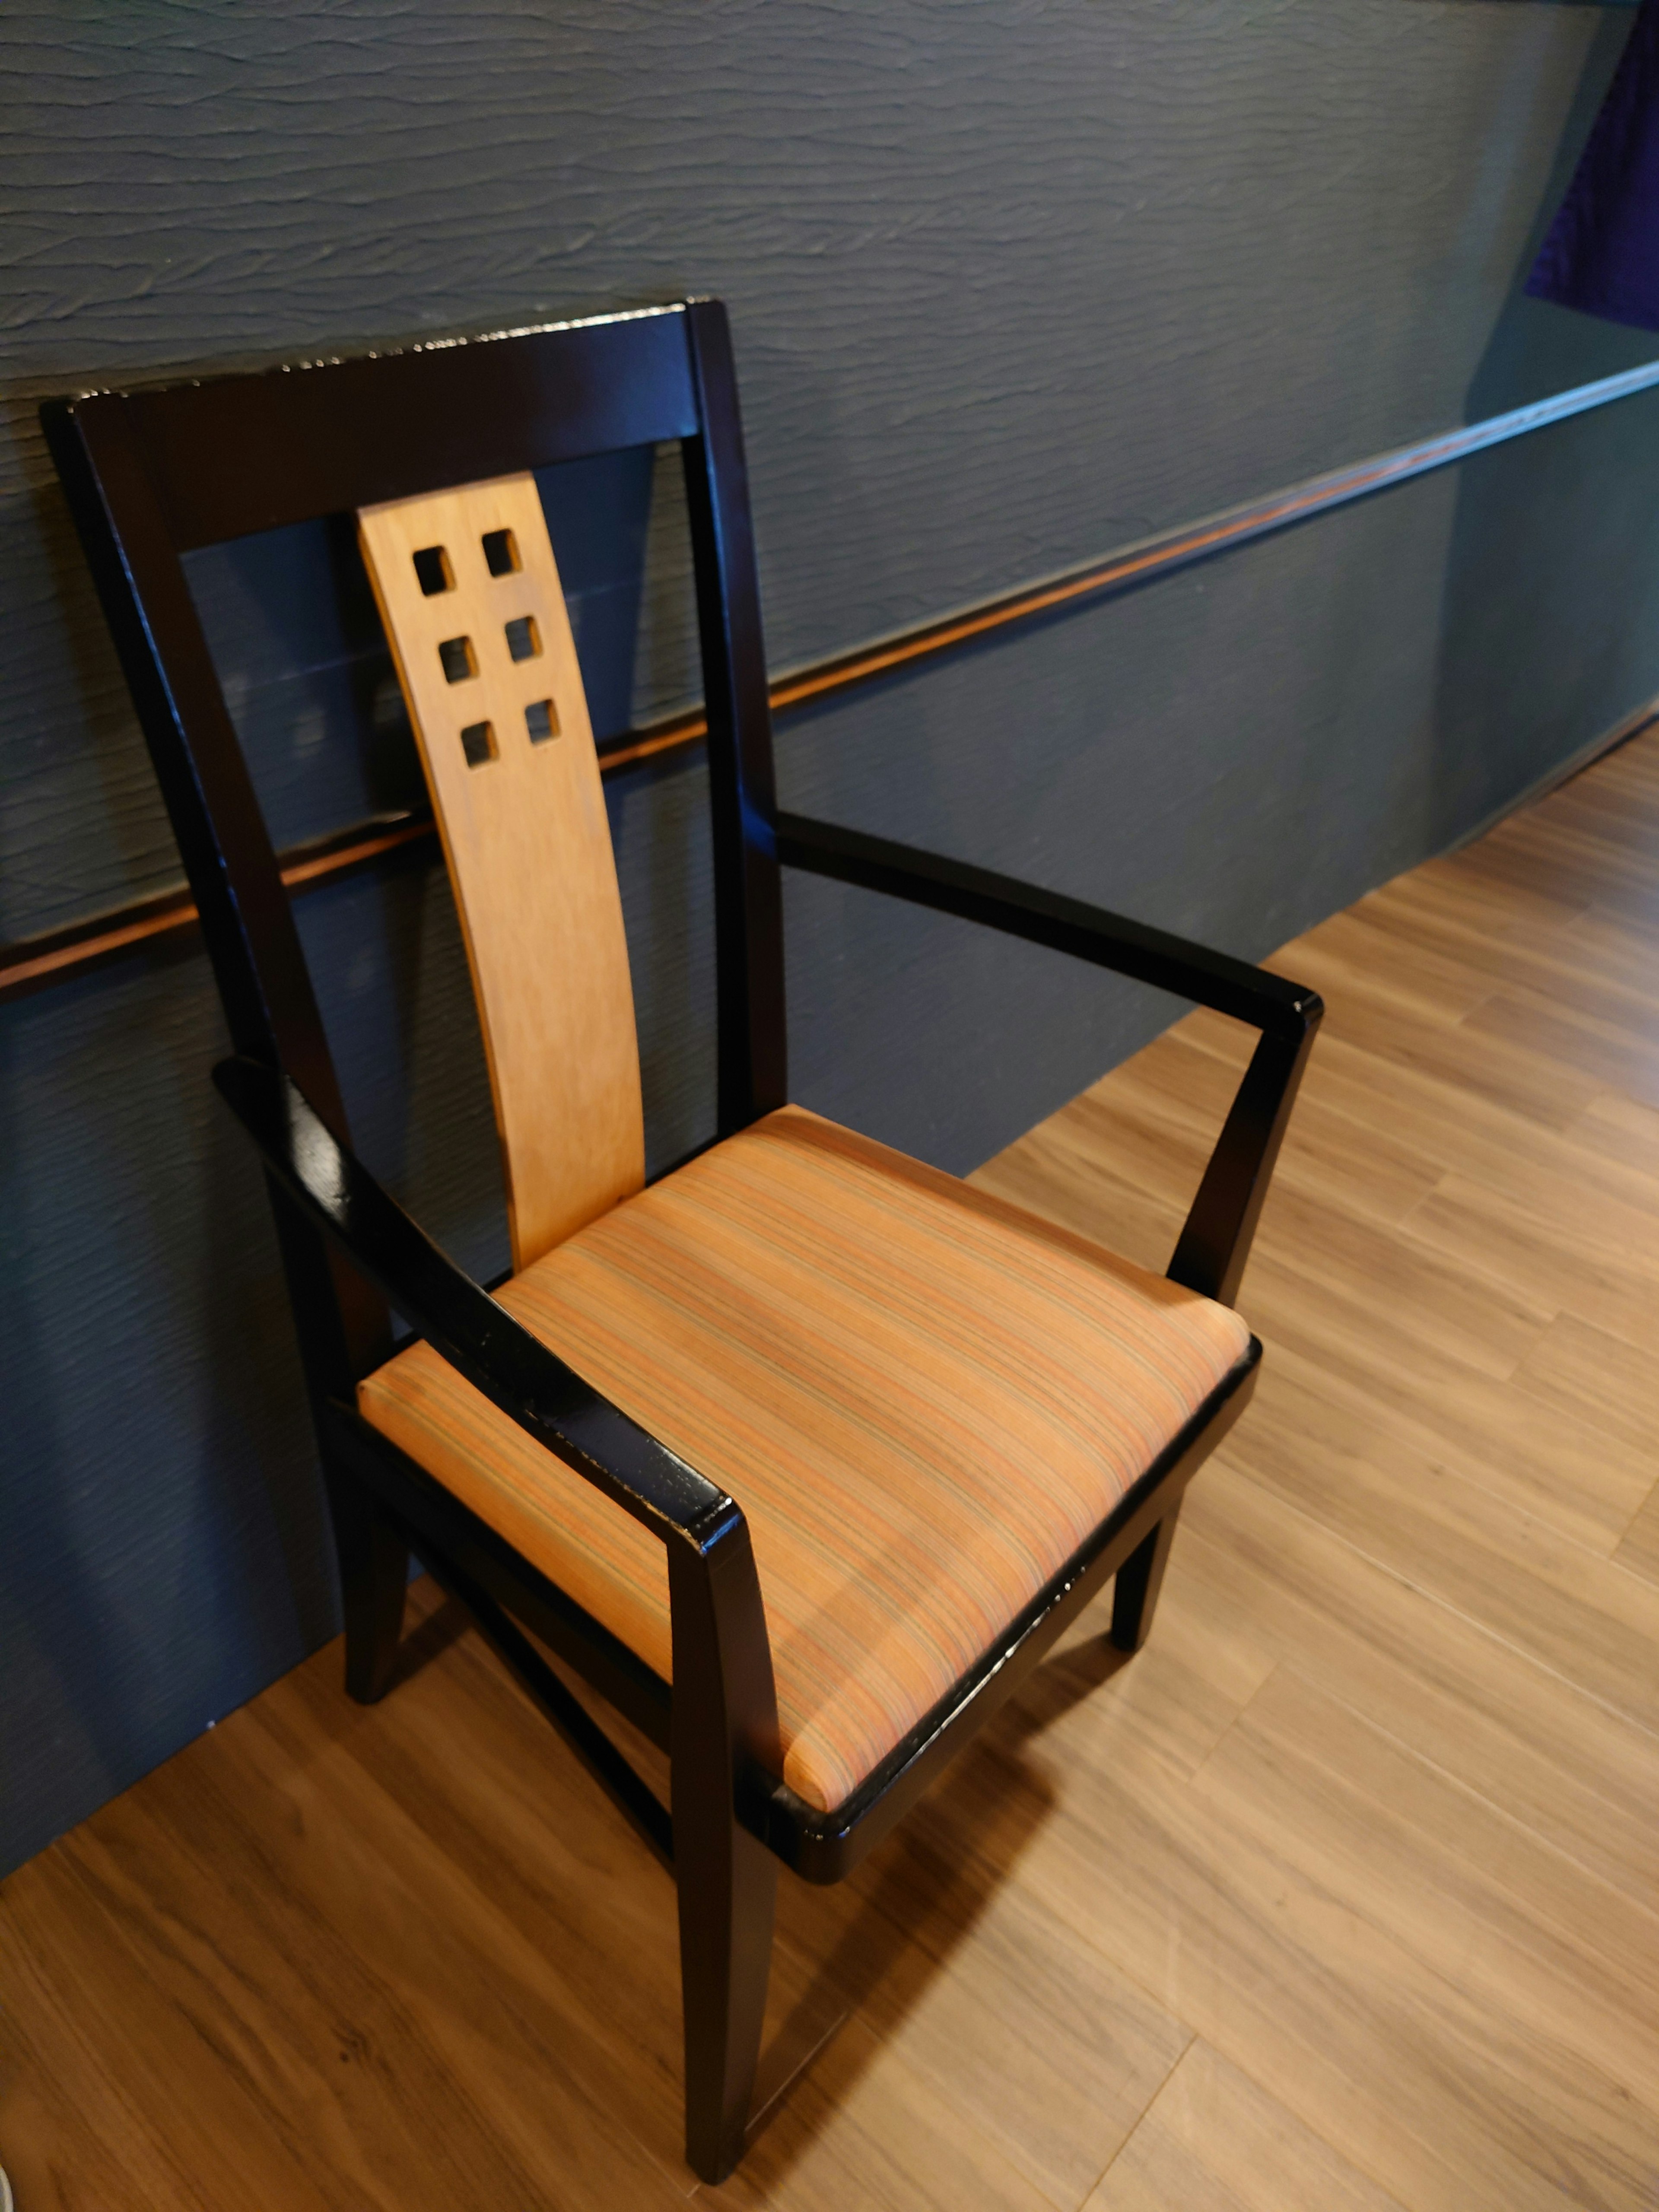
[[1215, 1241], [724, 1712], [472, 1331]]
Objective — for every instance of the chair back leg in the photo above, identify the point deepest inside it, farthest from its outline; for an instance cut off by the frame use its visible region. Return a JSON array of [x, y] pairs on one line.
[[1135, 1593], [374, 1581]]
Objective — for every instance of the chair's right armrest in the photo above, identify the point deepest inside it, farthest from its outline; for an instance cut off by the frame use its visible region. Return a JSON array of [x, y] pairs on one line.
[[1215, 1240], [458, 1318], [1267, 1002]]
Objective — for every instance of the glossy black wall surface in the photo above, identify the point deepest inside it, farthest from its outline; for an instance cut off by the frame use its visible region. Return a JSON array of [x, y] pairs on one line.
[[1012, 283]]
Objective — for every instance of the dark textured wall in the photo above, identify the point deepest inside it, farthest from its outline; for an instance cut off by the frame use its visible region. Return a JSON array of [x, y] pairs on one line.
[[1012, 282]]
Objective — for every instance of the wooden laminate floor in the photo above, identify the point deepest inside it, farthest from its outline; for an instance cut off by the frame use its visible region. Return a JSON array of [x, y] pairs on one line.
[[1342, 1895]]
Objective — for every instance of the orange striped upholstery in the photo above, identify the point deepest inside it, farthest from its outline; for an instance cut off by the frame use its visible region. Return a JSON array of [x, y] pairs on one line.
[[923, 1399]]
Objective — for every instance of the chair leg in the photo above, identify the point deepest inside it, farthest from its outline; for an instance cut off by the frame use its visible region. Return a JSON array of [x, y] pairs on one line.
[[727, 1888], [1134, 1595], [374, 1580]]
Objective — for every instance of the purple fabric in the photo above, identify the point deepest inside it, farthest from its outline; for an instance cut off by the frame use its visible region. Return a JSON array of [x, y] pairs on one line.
[[1603, 252]]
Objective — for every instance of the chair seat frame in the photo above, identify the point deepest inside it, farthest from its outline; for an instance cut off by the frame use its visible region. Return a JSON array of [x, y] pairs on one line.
[[151, 475]]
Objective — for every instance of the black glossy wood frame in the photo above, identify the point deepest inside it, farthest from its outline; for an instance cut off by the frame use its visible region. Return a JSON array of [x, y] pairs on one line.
[[151, 475]]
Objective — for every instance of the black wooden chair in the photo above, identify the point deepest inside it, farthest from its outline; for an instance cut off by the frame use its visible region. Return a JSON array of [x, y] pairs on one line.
[[943, 1424]]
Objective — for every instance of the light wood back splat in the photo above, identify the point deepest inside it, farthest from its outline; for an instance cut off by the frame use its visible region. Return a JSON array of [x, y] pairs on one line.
[[487, 665]]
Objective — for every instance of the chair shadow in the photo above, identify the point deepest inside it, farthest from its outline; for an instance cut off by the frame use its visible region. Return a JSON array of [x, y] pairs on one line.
[[921, 1894], [877, 1942], [433, 1633]]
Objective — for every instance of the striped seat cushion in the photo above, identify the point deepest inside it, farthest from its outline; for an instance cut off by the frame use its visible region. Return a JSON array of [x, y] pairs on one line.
[[923, 1399]]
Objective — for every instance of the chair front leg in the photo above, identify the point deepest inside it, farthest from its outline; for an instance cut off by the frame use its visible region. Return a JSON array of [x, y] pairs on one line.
[[1135, 1593], [373, 1559], [723, 1724], [727, 1889]]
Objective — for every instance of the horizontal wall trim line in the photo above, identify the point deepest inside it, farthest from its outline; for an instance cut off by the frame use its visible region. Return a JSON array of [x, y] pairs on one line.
[[30, 962]]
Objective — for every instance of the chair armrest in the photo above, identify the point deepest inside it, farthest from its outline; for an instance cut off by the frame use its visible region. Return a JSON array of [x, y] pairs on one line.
[[1215, 1240], [1065, 925], [496, 1353]]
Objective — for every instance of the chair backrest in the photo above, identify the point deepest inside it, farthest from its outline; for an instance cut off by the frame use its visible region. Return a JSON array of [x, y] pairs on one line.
[[469, 591], [431, 448]]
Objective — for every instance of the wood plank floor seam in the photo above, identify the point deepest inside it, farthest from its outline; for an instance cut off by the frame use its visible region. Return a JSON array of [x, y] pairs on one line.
[[1646, 1506], [1146, 2107], [1237, 1719], [1473, 1622], [1650, 1909]]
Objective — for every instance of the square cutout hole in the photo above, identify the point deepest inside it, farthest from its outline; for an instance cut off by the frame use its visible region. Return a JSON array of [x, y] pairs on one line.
[[524, 639], [458, 659], [541, 721], [433, 572], [501, 552], [478, 742]]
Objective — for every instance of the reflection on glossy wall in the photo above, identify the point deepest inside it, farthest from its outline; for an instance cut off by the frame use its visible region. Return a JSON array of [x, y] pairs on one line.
[[1012, 283]]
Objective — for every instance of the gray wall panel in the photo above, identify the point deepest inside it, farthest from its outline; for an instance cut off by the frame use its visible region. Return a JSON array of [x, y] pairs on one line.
[[1011, 283]]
